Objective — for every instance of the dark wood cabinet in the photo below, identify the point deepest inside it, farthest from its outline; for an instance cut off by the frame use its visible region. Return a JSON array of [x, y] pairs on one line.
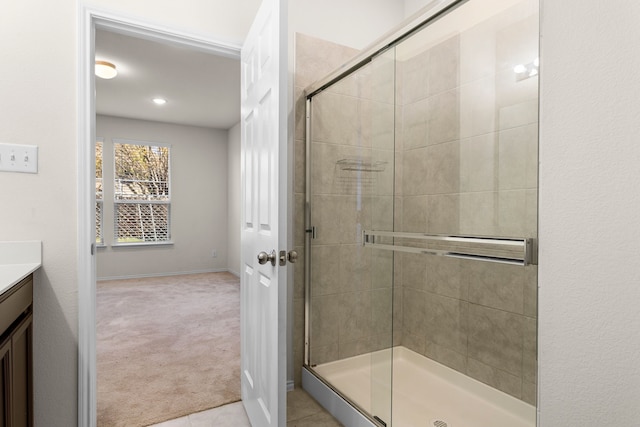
[[16, 360]]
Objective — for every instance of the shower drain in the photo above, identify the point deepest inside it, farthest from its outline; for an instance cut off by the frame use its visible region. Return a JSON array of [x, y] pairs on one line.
[[439, 423]]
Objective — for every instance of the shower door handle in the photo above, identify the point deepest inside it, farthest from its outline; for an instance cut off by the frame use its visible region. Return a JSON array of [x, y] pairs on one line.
[[264, 257]]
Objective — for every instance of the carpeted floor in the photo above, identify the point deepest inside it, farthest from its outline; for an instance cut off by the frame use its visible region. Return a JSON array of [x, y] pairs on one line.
[[166, 347]]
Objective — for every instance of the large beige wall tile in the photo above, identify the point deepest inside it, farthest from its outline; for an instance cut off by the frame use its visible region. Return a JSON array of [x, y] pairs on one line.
[[443, 115], [414, 271], [495, 338], [414, 214], [478, 110], [326, 279], [518, 157], [531, 291], [442, 169], [415, 76], [354, 264], [446, 321], [530, 351], [504, 381], [444, 66], [443, 212], [414, 172], [446, 356], [355, 318], [445, 277], [413, 319], [316, 58], [478, 213], [499, 286], [512, 217], [382, 311], [478, 163], [414, 124], [325, 320]]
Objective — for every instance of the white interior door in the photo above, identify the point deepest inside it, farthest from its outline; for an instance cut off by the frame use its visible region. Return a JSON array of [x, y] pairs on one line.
[[263, 286]]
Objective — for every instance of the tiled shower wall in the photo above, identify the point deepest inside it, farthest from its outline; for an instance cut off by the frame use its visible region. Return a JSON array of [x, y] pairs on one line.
[[468, 130], [314, 59], [352, 164]]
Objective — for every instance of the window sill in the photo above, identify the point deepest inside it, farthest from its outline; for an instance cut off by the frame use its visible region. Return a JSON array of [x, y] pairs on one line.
[[140, 244]]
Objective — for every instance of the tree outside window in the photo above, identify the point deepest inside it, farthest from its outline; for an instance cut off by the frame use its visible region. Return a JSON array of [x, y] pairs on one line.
[[142, 202]]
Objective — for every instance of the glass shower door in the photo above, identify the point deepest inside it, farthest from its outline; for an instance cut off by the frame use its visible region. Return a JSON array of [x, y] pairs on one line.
[[351, 191], [467, 99]]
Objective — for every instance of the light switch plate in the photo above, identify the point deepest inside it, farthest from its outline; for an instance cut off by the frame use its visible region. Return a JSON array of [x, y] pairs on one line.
[[19, 158]]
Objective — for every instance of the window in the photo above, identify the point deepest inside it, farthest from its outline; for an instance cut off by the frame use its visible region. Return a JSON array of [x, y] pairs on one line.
[[142, 201], [99, 192]]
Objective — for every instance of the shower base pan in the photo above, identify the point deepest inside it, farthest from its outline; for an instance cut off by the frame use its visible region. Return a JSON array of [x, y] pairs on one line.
[[425, 393]]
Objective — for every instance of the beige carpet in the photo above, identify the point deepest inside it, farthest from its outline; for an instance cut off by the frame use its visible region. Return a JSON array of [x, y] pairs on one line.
[[166, 347]]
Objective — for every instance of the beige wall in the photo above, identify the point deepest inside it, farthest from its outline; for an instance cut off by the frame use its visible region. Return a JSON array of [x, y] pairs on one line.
[[198, 201]]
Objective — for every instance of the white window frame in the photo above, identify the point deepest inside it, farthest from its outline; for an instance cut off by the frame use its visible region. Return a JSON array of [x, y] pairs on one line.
[[116, 202]]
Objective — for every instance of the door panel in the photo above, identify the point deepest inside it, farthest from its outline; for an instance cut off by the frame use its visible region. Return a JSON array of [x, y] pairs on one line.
[[263, 289]]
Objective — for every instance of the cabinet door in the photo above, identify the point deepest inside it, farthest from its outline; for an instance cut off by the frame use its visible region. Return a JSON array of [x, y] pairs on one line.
[[21, 367], [5, 383]]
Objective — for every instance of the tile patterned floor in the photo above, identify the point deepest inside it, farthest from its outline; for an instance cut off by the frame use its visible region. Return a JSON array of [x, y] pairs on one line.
[[302, 411]]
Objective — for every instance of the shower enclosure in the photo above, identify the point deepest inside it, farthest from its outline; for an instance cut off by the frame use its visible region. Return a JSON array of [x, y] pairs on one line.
[[421, 223]]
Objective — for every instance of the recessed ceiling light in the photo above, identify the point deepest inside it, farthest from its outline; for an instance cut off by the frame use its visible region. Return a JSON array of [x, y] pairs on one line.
[[159, 101], [105, 70]]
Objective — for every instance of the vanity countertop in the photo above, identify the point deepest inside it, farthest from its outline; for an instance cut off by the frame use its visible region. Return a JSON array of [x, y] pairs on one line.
[[17, 261]]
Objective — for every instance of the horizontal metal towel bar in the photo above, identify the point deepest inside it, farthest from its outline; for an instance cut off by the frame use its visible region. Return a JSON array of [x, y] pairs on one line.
[[517, 251]]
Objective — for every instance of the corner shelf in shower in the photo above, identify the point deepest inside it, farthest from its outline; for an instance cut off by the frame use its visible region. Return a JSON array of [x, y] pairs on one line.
[[361, 165]]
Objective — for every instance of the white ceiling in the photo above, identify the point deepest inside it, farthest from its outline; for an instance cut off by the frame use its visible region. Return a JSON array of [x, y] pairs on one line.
[[201, 89]]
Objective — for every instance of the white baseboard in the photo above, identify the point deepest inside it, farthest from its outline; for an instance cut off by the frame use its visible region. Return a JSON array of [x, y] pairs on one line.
[[290, 385], [235, 273], [171, 273]]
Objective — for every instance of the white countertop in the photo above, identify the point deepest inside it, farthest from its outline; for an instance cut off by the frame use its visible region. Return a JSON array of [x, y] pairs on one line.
[[17, 261]]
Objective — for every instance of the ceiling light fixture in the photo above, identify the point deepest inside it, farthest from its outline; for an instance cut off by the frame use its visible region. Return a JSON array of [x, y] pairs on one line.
[[105, 70], [159, 101]]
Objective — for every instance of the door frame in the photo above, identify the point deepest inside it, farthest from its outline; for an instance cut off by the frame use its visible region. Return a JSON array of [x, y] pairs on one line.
[[91, 19]]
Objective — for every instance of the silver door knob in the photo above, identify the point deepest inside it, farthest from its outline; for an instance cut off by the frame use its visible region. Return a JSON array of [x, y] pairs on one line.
[[264, 257], [293, 256]]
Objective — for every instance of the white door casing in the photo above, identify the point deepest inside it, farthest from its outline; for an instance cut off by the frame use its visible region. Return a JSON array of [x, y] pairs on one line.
[[263, 286]]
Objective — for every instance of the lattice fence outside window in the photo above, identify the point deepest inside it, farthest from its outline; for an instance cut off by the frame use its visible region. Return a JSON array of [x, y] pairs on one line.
[[99, 210], [99, 192], [142, 208]]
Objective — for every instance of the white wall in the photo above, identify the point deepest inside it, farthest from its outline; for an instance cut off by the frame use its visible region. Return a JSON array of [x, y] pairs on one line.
[[198, 201], [588, 214], [413, 6], [353, 23], [233, 201]]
